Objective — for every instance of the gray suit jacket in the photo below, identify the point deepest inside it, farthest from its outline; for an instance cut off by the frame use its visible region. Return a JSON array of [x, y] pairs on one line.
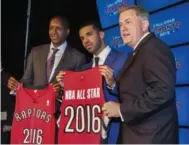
[[35, 73]]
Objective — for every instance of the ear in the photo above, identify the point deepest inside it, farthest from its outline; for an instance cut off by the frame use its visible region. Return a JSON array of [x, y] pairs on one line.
[[145, 25], [101, 33]]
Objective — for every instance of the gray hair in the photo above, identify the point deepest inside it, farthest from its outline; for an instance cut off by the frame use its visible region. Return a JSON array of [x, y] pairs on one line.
[[140, 11]]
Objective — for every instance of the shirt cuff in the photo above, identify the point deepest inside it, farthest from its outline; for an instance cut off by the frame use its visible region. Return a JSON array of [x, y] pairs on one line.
[[12, 92], [121, 116], [112, 87]]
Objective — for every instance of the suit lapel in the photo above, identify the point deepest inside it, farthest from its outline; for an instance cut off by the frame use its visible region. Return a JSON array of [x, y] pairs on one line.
[[126, 65], [134, 54], [63, 61], [45, 53], [110, 58], [44, 56]]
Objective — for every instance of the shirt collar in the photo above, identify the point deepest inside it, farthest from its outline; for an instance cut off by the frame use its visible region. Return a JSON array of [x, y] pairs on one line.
[[147, 33], [61, 47], [104, 53]]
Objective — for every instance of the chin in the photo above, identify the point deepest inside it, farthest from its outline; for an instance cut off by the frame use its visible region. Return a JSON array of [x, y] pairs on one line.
[[127, 41], [56, 43]]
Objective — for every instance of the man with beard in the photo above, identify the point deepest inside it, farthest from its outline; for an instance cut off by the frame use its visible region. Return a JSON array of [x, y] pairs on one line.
[[110, 62]]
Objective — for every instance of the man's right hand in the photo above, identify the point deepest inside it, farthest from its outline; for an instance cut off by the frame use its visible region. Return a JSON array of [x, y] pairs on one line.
[[12, 83], [59, 77]]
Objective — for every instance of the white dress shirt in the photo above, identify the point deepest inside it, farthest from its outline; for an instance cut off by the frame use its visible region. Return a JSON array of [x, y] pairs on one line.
[[102, 56], [141, 39], [58, 56]]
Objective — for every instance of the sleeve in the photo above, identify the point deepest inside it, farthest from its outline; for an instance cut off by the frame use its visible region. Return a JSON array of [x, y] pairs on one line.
[[28, 73], [159, 73]]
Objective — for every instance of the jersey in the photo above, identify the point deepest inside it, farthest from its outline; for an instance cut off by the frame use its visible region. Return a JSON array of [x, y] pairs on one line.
[[34, 119], [81, 113]]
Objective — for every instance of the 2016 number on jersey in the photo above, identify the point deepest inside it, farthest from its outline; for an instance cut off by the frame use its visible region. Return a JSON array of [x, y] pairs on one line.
[[33, 136], [86, 118]]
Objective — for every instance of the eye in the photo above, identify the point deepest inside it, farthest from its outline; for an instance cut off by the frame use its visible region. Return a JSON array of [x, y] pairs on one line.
[[81, 38], [90, 33]]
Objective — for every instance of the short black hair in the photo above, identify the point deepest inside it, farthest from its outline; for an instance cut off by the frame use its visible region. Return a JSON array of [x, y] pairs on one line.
[[95, 25], [63, 20]]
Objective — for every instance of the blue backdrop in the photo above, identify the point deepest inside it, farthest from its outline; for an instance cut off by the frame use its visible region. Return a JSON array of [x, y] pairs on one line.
[[170, 22]]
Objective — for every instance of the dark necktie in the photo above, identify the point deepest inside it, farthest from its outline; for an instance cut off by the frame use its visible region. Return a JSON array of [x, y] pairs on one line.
[[50, 62], [96, 61]]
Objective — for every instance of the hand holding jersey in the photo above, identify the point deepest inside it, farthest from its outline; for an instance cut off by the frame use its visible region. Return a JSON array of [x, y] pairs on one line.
[[105, 71], [56, 86], [12, 83], [59, 78], [111, 109], [108, 74]]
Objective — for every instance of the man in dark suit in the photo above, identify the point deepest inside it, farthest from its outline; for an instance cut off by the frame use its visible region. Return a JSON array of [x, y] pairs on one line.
[[111, 61], [146, 84]]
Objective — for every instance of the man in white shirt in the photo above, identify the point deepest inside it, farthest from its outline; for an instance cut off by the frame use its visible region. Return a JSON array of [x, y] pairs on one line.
[[146, 84], [110, 63]]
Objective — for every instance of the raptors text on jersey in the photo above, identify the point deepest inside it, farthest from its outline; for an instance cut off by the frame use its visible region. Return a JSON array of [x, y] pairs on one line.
[[34, 121], [81, 114]]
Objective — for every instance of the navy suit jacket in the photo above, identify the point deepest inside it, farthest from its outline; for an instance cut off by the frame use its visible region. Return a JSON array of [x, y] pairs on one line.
[[114, 60]]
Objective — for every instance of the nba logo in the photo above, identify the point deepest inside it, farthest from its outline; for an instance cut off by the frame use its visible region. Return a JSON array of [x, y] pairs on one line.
[[48, 102]]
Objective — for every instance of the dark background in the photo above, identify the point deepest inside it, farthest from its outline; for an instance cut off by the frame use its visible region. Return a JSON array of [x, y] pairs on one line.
[[13, 27]]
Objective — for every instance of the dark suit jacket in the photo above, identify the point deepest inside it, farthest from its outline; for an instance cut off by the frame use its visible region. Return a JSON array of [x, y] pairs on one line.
[[7, 105], [115, 60], [35, 73], [147, 94]]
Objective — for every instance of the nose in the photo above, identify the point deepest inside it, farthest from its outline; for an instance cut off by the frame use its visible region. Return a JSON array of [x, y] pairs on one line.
[[53, 30], [123, 27], [85, 40]]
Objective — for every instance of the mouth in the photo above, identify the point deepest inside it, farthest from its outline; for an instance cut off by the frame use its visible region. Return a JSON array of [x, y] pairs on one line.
[[54, 37], [88, 46], [125, 35]]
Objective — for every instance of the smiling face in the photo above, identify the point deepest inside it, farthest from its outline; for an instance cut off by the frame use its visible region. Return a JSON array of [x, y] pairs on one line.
[[57, 31], [132, 27]]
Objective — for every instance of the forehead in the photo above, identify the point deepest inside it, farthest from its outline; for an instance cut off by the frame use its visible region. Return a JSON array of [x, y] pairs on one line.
[[86, 29], [56, 21], [127, 14]]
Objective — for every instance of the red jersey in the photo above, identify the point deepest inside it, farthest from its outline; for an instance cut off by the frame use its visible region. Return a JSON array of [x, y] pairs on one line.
[[34, 121], [81, 114]]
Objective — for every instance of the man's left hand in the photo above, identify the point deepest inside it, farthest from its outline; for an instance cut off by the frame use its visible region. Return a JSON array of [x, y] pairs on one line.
[[56, 86], [111, 109], [108, 74]]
